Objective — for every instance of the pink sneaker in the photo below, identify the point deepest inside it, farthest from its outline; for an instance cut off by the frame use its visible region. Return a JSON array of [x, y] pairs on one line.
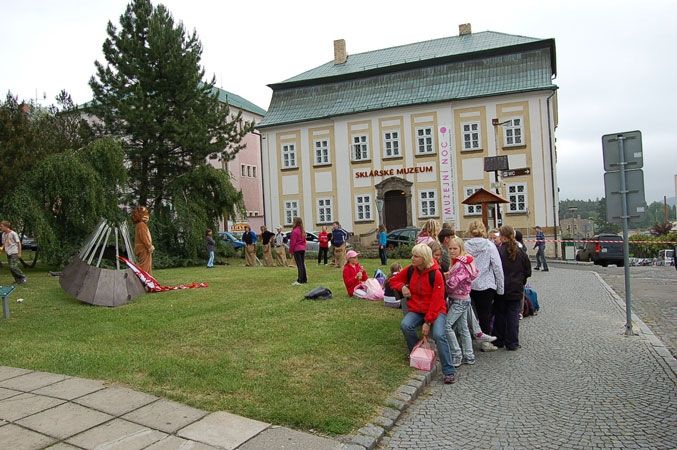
[[481, 337]]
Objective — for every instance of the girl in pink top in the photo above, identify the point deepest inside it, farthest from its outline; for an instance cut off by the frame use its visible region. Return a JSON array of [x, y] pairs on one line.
[[459, 281], [297, 247]]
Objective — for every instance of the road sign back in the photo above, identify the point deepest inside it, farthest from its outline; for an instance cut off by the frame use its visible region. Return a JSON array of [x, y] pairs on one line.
[[632, 149]]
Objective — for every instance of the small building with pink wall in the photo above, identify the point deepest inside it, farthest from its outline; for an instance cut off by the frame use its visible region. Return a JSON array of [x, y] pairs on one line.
[[245, 168]]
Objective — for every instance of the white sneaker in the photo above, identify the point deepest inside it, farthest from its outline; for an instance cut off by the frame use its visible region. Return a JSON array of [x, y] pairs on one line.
[[469, 362], [456, 361], [488, 347], [296, 283], [481, 337]]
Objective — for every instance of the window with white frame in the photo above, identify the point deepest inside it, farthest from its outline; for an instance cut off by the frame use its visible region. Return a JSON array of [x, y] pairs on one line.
[[324, 210], [288, 156], [471, 136], [363, 207], [428, 203], [254, 171], [360, 148], [424, 140], [391, 143], [513, 132], [472, 210], [517, 194], [322, 151], [249, 171], [291, 210], [243, 169]]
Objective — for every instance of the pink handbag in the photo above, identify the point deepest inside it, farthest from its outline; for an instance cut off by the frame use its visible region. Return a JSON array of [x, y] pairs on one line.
[[422, 357]]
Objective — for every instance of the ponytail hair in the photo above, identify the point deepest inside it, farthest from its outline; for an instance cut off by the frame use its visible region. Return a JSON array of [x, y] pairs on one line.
[[508, 237]]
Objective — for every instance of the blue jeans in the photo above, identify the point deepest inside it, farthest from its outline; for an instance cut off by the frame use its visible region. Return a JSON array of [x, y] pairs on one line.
[[457, 321], [210, 262], [409, 326], [540, 258]]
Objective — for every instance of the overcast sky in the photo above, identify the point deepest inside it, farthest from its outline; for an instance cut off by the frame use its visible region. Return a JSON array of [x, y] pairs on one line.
[[616, 60]]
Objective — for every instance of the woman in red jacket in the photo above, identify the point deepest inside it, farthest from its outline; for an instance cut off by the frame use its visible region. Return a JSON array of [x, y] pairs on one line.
[[353, 272], [426, 304]]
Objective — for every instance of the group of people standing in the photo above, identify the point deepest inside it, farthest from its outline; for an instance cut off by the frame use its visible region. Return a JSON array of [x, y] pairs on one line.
[[453, 287]]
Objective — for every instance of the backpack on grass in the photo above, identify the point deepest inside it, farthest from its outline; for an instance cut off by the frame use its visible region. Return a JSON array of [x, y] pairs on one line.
[[319, 293]]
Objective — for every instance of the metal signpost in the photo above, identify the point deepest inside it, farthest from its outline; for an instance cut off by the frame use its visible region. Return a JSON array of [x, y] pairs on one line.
[[496, 164], [624, 191]]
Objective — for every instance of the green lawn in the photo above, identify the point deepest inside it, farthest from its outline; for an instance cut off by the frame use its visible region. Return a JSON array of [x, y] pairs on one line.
[[247, 344]]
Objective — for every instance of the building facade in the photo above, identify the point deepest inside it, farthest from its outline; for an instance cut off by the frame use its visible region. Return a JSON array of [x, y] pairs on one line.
[[400, 135], [245, 167]]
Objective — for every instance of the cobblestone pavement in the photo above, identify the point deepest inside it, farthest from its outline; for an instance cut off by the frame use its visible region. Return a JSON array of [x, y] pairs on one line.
[[577, 382], [654, 297]]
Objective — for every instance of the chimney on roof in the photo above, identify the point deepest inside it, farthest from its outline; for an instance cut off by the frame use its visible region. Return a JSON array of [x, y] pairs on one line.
[[340, 55], [464, 29]]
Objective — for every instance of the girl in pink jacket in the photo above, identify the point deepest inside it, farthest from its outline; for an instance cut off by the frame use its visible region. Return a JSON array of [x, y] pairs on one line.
[[459, 281]]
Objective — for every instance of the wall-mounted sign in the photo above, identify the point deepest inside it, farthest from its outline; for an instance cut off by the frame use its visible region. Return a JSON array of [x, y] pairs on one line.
[[391, 172], [516, 172]]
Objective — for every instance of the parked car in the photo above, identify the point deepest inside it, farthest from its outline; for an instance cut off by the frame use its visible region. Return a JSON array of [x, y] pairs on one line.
[[405, 236], [29, 243], [666, 257], [312, 242], [229, 238], [602, 249]]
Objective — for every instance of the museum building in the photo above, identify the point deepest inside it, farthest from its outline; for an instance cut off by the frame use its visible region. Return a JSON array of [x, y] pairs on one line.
[[400, 135]]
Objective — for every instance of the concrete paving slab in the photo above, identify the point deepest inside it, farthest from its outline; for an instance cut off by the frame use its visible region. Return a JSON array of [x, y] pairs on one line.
[[165, 415], [177, 443], [71, 388], [116, 400], [11, 372], [22, 405], [31, 381], [62, 446], [6, 393], [285, 438], [222, 429], [118, 434], [17, 438], [64, 420]]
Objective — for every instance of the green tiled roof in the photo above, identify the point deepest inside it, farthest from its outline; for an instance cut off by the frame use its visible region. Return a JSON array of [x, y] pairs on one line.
[[239, 102], [511, 72], [413, 53]]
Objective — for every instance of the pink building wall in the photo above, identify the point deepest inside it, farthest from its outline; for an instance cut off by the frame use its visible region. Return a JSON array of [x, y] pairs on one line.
[[251, 183]]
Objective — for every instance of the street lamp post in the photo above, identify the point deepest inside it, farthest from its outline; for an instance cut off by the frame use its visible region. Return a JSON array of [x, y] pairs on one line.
[[498, 219], [379, 208]]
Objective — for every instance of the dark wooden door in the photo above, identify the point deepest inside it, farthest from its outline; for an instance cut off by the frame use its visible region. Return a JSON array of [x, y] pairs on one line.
[[395, 210]]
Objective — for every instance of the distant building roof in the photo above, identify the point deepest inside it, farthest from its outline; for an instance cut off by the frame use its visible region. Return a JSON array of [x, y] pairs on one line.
[[239, 102], [452, 68]]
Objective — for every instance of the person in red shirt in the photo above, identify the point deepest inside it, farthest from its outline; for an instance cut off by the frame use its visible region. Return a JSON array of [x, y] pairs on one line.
[[324, 246], [426, 304], [353, 272]]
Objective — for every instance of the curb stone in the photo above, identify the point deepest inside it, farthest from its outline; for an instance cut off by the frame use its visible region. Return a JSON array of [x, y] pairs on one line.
[[658, 347], [369, 436]]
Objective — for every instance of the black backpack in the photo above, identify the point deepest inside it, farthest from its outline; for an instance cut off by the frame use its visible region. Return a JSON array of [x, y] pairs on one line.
[[431, 276], [319, 293]]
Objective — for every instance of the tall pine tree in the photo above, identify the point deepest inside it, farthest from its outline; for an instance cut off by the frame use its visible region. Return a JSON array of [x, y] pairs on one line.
[[151, 93]]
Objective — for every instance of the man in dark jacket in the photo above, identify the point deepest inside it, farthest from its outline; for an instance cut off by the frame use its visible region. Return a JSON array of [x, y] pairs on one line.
[[249, 238], [540, 252], [339, 236]]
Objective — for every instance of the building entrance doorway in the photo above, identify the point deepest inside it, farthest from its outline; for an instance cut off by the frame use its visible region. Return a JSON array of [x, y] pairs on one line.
[[395, 209]]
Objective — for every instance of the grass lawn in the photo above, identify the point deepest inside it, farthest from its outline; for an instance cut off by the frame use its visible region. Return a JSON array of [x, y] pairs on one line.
[[247, 344]]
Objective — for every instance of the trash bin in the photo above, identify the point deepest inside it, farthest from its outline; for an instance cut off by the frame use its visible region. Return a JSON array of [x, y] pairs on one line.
[[569, 250]]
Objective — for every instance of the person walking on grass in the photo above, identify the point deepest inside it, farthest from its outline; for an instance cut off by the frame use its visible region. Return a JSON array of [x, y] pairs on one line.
[[382, 244], [339, 236], [266, 239], [249, 239], [280, 251], [507, 307], [540, 250], [490, 280], [12, 246], [323, 251], [297, 246], [210, 244], [426, 305]]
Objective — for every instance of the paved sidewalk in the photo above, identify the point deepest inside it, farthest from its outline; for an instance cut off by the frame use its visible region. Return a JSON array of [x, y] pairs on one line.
[[577, 382], [40, 410]]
